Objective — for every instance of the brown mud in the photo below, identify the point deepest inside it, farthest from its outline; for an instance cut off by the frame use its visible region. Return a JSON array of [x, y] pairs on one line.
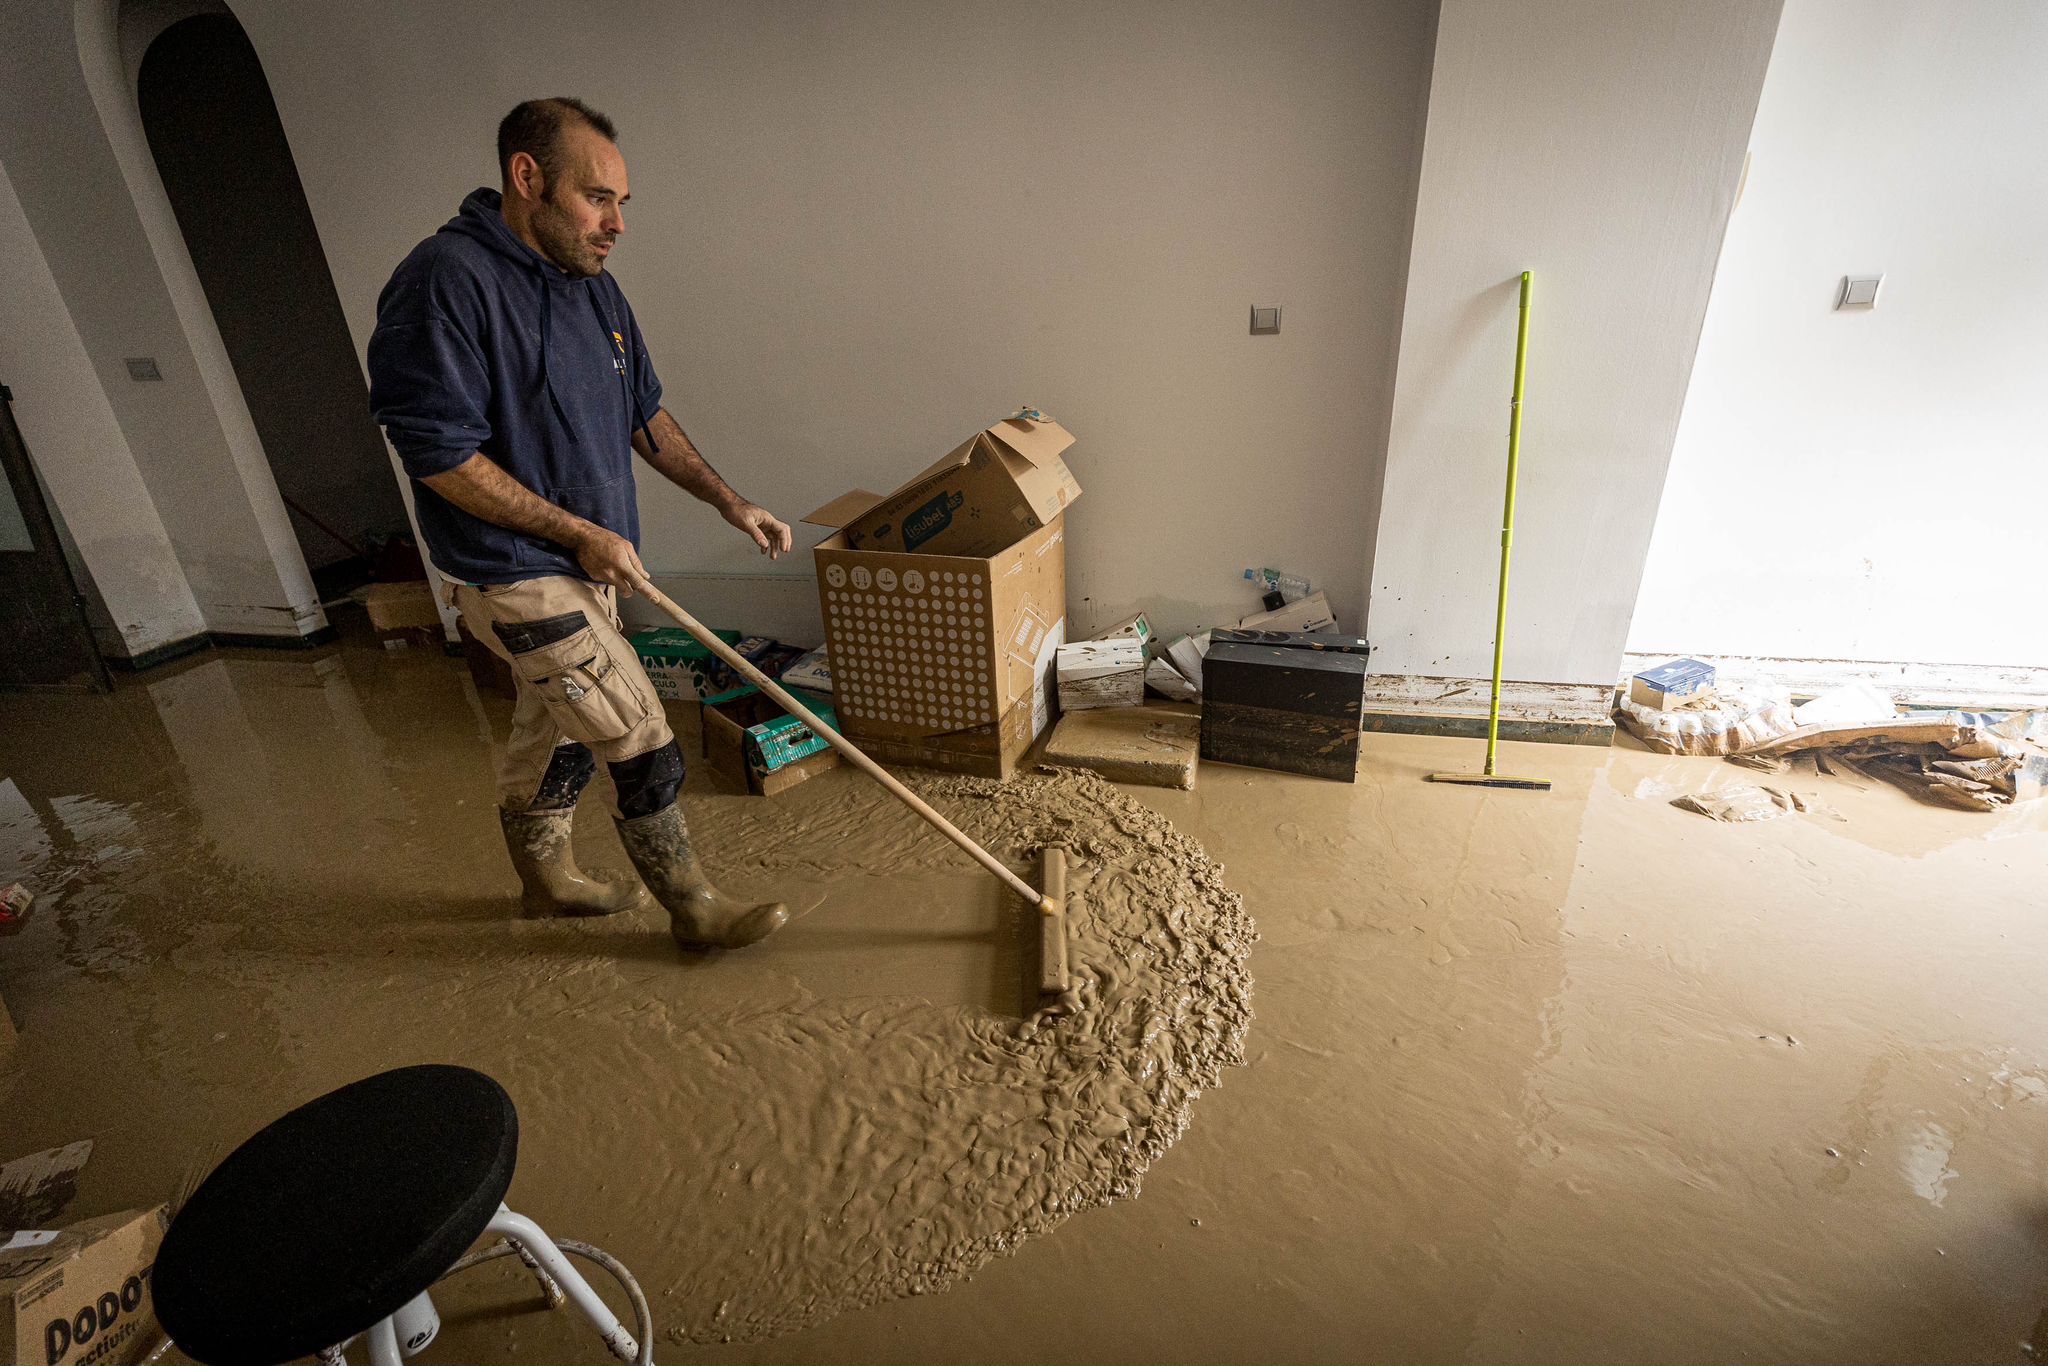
[[1536, 1077]]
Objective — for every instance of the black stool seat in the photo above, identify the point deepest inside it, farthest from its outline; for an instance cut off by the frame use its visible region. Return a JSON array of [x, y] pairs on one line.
[[336, 1215]]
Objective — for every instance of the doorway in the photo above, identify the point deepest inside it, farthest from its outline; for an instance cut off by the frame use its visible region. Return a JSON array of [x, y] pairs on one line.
[[221, 152], [42, 615]]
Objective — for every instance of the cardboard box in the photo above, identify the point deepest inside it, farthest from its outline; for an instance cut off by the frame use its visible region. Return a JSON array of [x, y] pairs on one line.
[[403, 607], [1285, 708], [1003, 482], [944, 661], [1311, 613], [681, 669], [1101, 673], [757, 747], [812, 673], [1672, 685], [1136, 626], [36, 1190], [1185, 654], [81, 1294], [1162, 678], [771, 657]]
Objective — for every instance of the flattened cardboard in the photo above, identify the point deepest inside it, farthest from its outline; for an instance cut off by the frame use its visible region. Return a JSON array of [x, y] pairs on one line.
[[36, 1190], [1154, 745]]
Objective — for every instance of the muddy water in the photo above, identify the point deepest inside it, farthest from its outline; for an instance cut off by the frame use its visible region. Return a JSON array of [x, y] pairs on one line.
[[868, 1108], [1565, 1077], [830, 1151]]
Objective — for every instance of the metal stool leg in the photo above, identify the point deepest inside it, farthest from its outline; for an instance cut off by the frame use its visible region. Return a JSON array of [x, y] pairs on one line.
[[527, 1235], [384, 1345], [549, 1291]]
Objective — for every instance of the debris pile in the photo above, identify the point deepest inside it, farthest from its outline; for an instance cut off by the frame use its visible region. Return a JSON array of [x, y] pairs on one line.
[[1973, 761], [1976, 761]]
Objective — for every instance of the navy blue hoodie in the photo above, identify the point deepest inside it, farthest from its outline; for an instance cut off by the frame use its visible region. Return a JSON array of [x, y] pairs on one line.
[[483, 344]]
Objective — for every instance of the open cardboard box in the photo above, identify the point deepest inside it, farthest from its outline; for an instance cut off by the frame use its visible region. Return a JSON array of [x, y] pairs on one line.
[[753, 745], [80, 1294], [942, 653], [1002, 482]]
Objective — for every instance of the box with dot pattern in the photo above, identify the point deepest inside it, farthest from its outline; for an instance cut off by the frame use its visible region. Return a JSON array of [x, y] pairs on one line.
[[945, 661]]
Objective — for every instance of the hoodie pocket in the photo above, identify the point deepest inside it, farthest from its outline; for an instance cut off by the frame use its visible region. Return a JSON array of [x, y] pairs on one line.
[[567, 662]]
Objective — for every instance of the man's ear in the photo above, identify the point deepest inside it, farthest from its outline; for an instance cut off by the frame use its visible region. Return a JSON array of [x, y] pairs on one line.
[[523, 177]]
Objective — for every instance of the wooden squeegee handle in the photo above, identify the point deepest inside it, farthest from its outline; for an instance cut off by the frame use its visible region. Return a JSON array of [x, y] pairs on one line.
[[740, 664]]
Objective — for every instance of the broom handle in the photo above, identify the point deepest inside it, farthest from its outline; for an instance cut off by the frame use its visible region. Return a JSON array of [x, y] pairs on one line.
[[740, 664], [1507, 526]]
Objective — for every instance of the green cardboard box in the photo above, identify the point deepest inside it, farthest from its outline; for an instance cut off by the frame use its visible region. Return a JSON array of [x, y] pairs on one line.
[[680, 668], [757, 746]]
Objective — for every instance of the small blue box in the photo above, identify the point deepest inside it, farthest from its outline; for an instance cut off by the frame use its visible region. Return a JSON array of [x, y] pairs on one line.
[[1671, 685]]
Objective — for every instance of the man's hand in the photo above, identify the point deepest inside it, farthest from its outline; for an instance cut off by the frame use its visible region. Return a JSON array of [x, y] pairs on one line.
[[609, 558], [769, 532]]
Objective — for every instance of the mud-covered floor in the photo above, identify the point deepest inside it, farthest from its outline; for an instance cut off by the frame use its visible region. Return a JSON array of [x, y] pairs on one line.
[[1571, 1077]]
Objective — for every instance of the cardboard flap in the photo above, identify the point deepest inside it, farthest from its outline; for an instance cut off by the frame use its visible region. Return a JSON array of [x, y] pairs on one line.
[[847, 507], [1039, 443]]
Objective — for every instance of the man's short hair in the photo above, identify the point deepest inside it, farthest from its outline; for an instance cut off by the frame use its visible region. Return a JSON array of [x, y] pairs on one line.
[[536, 127]]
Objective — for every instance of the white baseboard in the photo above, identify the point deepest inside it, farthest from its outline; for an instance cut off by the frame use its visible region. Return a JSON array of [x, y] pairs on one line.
[[1551, 703], [1967, 687]]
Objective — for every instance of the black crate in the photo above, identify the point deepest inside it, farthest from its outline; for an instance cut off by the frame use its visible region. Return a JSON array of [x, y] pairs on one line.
[[1286, 707]]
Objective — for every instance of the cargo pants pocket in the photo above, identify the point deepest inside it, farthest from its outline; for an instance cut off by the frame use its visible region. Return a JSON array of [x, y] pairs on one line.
[[565, 660]]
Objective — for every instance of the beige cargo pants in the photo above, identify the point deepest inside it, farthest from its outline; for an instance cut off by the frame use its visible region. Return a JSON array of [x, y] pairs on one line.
[[578, 680]]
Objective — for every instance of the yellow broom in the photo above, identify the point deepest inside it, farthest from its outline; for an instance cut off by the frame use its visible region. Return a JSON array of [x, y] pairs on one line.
[[1490, 778]]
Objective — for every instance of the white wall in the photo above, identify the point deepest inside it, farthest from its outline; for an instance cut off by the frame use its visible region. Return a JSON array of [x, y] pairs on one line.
[[1597, 143], [80, 452], [859, 233], [72, 144], [1868, 485]]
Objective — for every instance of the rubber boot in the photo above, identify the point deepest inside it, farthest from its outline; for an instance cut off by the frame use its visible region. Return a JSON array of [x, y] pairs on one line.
[[700, 916], [552, 883]]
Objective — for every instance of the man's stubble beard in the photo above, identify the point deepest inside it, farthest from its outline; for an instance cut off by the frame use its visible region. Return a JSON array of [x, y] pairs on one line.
[[562, 244]]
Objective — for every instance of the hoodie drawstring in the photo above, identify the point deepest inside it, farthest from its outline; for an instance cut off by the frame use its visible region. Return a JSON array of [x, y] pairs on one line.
[[546, 309]]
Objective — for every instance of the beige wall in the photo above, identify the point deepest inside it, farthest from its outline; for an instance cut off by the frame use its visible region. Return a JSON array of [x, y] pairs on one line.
[[1878, 448], [72, 144], [860, 232], [81, 454], [1597, 143]]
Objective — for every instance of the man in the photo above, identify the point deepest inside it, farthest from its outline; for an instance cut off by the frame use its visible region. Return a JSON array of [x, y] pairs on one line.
[[511, 378]]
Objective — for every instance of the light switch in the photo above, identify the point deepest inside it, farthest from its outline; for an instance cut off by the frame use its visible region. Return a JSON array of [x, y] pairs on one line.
[[143, 368], [1265, 319], [1859, 291]]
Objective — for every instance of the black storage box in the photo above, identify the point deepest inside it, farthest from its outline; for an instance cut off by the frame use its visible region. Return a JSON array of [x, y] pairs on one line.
[[1284, 700]]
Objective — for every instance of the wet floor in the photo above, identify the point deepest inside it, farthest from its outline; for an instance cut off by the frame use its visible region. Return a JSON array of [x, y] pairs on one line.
[[1564, 1077]]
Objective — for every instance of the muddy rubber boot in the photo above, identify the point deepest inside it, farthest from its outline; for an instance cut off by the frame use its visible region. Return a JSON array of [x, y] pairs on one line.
[[552, 883], [700, 916]]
